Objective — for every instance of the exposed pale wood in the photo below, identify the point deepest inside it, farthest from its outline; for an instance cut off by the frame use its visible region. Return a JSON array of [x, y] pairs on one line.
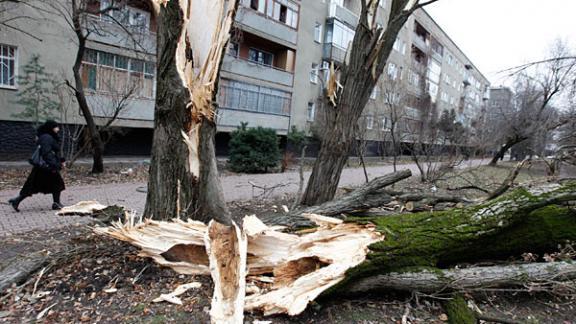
[[303, 266], [82, 208], [470, 278], [227, 251]]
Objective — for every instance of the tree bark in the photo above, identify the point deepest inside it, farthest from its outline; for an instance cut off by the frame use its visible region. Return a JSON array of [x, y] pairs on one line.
[[435, 280], [525, 220], [183, 177], [368, 54], [96, 144]]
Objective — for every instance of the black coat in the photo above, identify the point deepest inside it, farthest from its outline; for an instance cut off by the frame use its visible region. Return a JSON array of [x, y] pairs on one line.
[[46, 180]]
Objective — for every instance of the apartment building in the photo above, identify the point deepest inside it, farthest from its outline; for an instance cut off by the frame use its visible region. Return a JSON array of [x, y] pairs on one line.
[[118, 68], [273, 73]]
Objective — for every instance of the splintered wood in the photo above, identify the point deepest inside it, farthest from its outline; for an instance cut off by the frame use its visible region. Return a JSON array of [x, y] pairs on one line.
[[257, 267]]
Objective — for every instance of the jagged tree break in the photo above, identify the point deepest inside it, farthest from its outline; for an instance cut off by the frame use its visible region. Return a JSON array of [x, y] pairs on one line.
[[347, 95], [192, 38], [183, 181], [395, 252]]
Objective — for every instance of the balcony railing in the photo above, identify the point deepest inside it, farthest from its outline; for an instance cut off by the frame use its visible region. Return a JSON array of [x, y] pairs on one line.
[[258, 24], [342, 14], [419, 42], [333, 53], [255, 70]]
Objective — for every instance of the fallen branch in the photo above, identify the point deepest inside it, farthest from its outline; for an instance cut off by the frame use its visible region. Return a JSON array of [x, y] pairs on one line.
[[508, 182], [431, 281]]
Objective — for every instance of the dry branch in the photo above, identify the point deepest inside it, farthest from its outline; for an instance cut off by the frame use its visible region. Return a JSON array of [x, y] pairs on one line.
[[431, 281]]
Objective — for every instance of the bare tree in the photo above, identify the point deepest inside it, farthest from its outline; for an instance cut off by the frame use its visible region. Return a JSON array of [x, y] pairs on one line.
[[393, 123], [537, 86], [347, 97]]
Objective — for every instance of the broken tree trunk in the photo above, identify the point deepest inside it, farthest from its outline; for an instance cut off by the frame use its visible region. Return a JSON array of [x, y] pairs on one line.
[[524, 220], [286, 271], [183, 173]]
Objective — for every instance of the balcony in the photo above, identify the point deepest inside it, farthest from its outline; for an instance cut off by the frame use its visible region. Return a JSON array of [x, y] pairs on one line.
[[333, 53], [342, 14], [420, 42], [254, 70], [126, 37], [230, 119], [257, 24]]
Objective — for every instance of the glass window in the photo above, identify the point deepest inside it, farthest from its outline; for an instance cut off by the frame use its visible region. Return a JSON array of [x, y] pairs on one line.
[[106, 59], [260, 57], [369, 122], [8, 68], [245, 96], [136, 65], [392, 71], [311, 112], [90, 56], [318, 33], [121, 62], [314, 73]]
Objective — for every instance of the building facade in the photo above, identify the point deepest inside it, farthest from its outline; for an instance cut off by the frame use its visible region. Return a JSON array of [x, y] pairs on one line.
[[273, 73]]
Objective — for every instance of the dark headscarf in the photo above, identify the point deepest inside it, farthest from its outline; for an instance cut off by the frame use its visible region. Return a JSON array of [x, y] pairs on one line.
[[48, 128]]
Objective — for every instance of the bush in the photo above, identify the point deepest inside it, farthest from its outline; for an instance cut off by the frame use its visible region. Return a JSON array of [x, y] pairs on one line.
[[253, 150]]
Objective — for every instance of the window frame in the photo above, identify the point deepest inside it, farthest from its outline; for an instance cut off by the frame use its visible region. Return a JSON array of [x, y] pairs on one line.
[[15, 72], [310, 117], [261, 51], [318, 29], [314, 68]]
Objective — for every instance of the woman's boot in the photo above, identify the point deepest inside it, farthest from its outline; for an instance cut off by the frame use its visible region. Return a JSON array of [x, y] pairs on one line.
[[56, 205], [15, 202]]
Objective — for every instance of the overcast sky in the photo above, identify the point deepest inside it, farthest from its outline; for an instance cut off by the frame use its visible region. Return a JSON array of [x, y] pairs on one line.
[[499, 34]]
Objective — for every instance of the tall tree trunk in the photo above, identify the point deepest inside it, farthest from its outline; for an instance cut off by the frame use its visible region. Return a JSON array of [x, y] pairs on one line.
[[183, 177], [509, 143], [96, 144], [368, 54]]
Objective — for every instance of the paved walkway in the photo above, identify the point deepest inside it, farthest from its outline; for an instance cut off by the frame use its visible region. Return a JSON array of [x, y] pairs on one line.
[[35, 212]]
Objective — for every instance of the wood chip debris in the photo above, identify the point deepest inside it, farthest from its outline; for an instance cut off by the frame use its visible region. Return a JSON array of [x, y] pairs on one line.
[[284, 271], [173, 296]]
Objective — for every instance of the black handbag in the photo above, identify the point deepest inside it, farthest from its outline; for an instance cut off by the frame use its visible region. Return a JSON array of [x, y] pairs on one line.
[[37, 160]]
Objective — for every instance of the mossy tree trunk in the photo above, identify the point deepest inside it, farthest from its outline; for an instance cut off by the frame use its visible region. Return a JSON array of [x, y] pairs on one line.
[[532, 220]]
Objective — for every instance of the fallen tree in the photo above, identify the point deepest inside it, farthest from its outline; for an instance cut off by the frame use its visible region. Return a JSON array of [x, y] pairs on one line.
[[285, 271]]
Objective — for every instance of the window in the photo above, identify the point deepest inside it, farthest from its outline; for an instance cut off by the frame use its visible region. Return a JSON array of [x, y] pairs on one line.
[[8, 67], [127, 16], [318, 33], [392, 71], [258, 5], [314, 73], [444, 96], [339, 35], [284, 11], [386, 123], [311, 112], [233, 49], [369, 122], [397, 44], [110, 73], [260, 57], [414, 78], [250, 97]]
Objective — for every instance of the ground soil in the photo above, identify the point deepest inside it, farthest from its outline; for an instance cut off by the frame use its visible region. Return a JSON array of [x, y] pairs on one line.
[[110, 283]]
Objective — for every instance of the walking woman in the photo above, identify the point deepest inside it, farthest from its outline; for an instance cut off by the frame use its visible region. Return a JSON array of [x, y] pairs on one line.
[[45, 176]]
